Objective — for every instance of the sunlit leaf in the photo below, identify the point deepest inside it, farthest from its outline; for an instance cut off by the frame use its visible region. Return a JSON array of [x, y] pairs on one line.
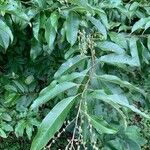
[[52, 123]]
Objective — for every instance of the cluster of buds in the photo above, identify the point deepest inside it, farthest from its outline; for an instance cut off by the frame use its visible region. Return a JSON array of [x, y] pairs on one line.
[[86, 41]]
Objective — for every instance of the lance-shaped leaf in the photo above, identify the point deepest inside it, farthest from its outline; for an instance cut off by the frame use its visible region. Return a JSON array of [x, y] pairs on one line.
[[134, 51], [118, 99], [147, 25], [2, 133], [118, 59], [50, 34], [116, 80], [139, 24], [46, 96], [36, 27], [6, 36], [100, 27], [101, 125], [110, 46], [73, 76], [69, 65], [54, 20], [52, 123], [72, 25], [14, 9], [148, 42]]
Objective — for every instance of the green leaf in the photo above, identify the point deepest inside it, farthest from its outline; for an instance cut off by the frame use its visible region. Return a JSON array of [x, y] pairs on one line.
[[71, 51], [148, 42], [69, 65], [52, 123], [50, 34], [36, 28], [110, 46], [58, 89], [139, 24], [101, 125], [73, 76], [2, 134], [134, 51], [19, 129], [6, 117], [115, 59], [40, 3], [118, 99], [147, 25], [119, 39], [100, 27], [6, 127], [116, 80], [6, 36], [36, 49], [29, 129], [133, 145], [54, 20], [72, 25], [134, 133], [13, 8]]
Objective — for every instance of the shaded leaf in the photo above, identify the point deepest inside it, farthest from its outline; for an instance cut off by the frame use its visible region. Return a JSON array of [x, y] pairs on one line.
[[69, 65], [101, 125], [100, 27], [19, 129], [139, 24], [115, 59], [2, 134], [115, 98], [116, 80], [72, 25], [50, 34], [110, 46], [6, 36], [46, 96]]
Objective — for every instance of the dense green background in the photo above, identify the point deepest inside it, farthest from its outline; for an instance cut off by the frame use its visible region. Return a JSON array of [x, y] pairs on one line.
[[93, 57]]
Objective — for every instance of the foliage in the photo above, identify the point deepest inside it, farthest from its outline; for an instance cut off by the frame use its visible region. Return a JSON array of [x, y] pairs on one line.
[[75, 72]]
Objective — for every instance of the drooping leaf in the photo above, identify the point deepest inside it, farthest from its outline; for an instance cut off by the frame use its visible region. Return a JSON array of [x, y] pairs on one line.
[[116, 80], [115, 59], [50, 33], [139, 24], [35, 49], [46, 96], [69, 65], [100, 27], [110, 46], [40, 3], [2, 134], [36, 28], [101, 125], [72, 25], [115, 98], [134, 51], [54, 20], [6, 36], [133, 145], [148, 42], [14, 9], [147, 25], [19, 129], [52, 123], [29, 129], [119, 38]]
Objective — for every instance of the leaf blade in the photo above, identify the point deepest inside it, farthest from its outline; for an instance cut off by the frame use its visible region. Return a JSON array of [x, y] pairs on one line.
[[52, 123]]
